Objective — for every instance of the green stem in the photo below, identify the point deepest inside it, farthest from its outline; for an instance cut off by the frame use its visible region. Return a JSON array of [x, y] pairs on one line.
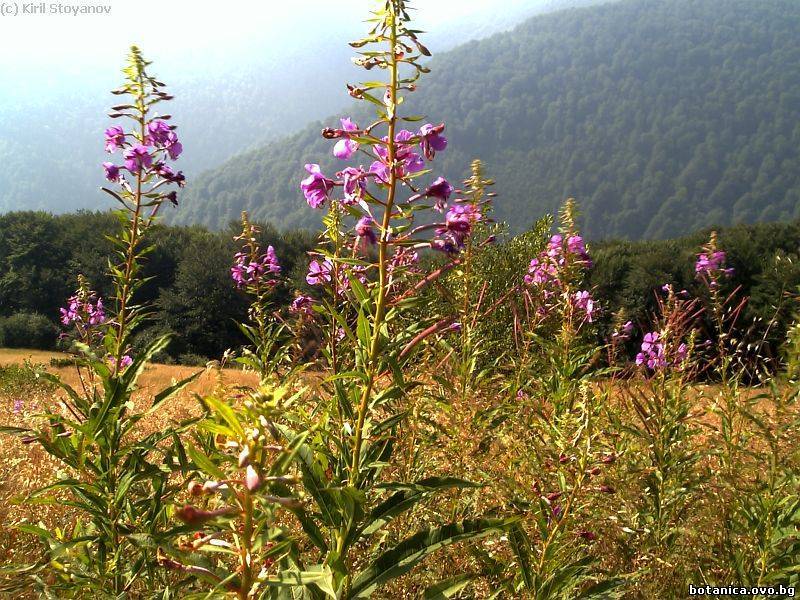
[[130, 259], [380, 310]]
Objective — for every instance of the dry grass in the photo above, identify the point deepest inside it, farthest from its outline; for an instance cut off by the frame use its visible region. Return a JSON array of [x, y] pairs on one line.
[[24, 468]]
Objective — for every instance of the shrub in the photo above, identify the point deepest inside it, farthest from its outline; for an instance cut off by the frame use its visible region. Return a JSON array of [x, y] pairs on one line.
[[28, 330]]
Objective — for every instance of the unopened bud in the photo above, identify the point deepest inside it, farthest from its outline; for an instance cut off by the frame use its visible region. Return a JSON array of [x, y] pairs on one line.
[[251, 479]]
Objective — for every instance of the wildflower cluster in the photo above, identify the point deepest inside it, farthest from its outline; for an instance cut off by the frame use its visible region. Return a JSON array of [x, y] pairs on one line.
[[710, 266], [84, 309], [653, 354], [552, 274], [254, 269], [147, 148], [402, 160]]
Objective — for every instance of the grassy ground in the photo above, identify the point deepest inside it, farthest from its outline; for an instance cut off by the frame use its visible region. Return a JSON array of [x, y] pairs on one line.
[[24, 468]]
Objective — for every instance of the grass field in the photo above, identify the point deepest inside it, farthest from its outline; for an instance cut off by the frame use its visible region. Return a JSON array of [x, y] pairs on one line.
[[23, 468]]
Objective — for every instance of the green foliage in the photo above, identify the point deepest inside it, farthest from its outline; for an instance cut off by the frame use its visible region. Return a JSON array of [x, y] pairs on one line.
[[28, 330], [187, 277]]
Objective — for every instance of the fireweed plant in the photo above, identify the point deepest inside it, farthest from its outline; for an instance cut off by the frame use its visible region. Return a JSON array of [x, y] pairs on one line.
[[374, 277], [556, 413], [231, 541], [117, 481], [257, 272], [658, 432], [755, 481], [336, 445]]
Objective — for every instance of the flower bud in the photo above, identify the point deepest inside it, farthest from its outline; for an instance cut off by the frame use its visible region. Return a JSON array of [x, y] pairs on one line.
[[251, 479], [195, 488], [195, 516], [607, 489], [211, 486]]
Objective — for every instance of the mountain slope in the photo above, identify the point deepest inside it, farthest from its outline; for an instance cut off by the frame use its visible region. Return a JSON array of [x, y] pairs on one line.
[[658, 116], [227, 99]]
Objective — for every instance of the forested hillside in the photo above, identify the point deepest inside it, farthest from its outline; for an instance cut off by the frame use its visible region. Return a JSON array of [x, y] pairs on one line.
[[658, 116], [225, 104]]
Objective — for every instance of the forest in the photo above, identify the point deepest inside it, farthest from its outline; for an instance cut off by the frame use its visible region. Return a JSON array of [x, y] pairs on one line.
[[642, 109], [40, 254]]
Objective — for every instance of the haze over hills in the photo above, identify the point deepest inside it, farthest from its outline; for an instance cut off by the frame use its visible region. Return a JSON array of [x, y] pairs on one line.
[[660, 117], [256, 75]]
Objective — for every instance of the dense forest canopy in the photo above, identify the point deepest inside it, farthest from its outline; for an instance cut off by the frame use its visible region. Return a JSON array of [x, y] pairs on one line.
[[660, 117], [196, 301]]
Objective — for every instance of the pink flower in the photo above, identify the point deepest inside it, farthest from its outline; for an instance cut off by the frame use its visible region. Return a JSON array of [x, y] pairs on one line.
[[432, 139], [408, 161], [585, 302], [316, 186], [112, 171], [246, 271], [319, 273], [137, 158], [354, 182], [302, 305], [440, 190], [125, 362], [115, 138], [652, 352], [345, 147], [365, 231]]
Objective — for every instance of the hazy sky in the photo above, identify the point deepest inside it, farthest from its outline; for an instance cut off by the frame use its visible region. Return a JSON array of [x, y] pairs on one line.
[[184, 28]]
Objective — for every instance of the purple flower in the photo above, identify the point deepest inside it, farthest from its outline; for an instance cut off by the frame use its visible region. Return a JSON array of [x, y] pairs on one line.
[[712, 264], [625, 332], [319, 273], [441, 190], [585, 302], [316, 186], [652, 352], [408, 161], [446, 245], [302, 305], [432, 139], [365, 231], [18, 406], [158, 133], [380, 170], [112, 171], [165, 171], [354, 182], [173, 146], [345, 147], [115, 138], [251, 272], [84, 310], [137, 158], [461, 217], [125, 362]]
